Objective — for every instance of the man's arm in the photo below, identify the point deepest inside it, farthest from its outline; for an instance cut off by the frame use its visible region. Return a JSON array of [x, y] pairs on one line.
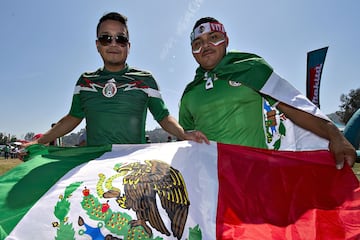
[[338, 144], [170, 125], [64, 126]]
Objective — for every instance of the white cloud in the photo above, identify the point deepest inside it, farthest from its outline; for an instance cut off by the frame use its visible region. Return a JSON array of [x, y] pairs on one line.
[[182, 27]]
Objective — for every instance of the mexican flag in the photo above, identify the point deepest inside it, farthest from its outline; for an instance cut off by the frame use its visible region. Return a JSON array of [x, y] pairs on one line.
[[178, 190]]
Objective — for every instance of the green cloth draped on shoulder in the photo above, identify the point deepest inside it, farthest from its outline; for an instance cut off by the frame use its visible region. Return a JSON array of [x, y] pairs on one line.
[[246, 68]]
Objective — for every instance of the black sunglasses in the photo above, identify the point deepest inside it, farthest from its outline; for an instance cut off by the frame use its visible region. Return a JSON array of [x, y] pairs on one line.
[[106, 39]]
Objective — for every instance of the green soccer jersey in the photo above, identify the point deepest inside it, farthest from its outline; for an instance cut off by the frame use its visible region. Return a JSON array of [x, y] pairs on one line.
[[229, 112], [115, 105], [235, 103]]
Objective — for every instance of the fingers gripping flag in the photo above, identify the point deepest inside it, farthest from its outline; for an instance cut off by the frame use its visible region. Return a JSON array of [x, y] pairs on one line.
[[178, 190]]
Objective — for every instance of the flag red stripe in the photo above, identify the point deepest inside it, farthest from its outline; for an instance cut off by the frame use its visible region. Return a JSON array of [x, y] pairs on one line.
[[265, 194]]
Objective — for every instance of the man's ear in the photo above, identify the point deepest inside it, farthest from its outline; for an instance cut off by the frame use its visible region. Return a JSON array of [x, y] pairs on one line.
[[227, 41], [97, 45]]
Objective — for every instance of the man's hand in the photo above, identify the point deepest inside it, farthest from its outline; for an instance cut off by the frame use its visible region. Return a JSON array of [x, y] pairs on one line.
[[196, 136], [23, 152], [170, 125], [343, 151], [339, 146]]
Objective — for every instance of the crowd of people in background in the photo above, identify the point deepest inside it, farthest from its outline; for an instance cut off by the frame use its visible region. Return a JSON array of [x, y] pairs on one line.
[[10, 151]]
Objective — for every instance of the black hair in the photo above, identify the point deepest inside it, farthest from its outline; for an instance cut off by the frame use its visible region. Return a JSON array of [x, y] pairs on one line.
[[113, 16], [204, 20]]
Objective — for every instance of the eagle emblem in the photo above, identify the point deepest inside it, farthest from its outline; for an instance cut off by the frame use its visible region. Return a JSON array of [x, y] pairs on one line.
[[142, 182]]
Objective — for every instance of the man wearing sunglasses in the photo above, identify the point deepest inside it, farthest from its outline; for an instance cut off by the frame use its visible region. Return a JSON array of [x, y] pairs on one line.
[[234, 96], [115, 98]]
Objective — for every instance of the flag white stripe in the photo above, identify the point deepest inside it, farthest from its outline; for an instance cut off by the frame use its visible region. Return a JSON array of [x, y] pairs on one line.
[[283, 91]]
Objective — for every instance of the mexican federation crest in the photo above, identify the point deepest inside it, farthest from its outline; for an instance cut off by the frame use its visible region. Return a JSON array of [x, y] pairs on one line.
[[109, 89]]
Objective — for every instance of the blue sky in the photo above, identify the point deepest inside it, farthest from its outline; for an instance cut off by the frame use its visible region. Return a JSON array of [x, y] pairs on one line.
[[46, 45]]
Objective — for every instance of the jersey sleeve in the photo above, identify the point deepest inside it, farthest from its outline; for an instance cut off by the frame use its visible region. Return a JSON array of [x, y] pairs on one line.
[[158, 108], [156, 104], [76, 109]]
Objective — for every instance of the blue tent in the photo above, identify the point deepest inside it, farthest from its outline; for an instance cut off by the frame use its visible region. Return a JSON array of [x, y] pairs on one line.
[[352, 131]]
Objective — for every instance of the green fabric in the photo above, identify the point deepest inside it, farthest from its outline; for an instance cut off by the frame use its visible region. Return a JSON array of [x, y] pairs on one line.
[[230, 112], [6, 149], [121, 118], [225, 114], [45, 167], [246, 68]]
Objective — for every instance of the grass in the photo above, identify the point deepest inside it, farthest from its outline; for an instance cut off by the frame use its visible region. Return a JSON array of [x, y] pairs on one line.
[[6, 165], [356, 170]]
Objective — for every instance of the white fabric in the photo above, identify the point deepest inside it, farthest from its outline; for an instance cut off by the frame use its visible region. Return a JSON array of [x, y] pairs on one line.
[[196, 162]]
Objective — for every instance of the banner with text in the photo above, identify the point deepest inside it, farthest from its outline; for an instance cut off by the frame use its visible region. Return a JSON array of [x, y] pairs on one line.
[[315, 64]]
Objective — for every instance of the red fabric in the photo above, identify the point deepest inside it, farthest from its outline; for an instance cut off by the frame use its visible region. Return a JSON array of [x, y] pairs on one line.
[[37, 136], [265, 194]]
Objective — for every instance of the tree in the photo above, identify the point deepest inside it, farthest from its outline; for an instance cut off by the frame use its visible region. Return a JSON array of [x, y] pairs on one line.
[[29, 136], [159, 135], [71, 139], [349, 105], [5, 139], [13, 138]]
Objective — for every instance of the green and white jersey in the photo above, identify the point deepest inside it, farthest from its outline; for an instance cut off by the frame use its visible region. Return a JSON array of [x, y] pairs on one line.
[[115, 105], [235, 103]]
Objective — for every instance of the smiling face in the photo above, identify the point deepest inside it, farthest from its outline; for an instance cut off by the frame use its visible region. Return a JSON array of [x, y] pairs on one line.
[[208, 43], [114, 54]]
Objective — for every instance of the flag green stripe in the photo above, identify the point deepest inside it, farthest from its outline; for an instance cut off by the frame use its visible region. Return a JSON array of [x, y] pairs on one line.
[[22, 186]]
